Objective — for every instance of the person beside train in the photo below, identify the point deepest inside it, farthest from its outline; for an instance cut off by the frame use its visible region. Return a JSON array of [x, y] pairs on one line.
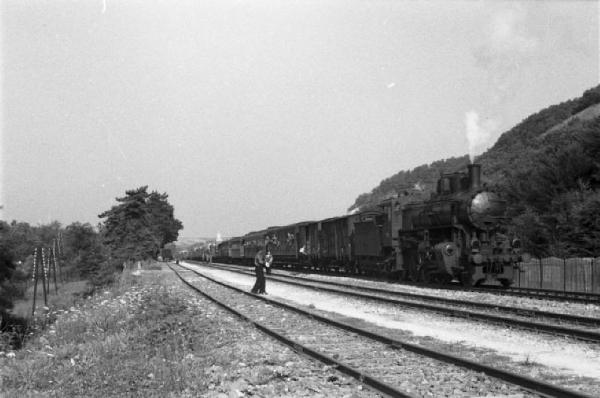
[[259, 264]]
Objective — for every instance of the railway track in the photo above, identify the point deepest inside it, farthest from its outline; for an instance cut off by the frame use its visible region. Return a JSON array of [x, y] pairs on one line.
[[543, 294], [391, 367], [578, 327]]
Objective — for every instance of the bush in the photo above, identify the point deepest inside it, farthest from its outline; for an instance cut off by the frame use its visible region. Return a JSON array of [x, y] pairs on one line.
[[13, 330]]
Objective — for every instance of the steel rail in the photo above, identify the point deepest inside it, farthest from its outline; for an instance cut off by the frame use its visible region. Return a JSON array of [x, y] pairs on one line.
[[581, 334], [570, 295], [374, 383], [528, 383], [547, 294], [512, 310]]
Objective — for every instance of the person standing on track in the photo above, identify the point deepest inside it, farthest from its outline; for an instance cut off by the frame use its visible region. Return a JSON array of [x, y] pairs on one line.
[[259, 263]]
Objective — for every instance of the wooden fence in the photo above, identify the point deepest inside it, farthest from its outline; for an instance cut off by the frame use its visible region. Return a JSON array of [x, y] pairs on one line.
[[565, 274]]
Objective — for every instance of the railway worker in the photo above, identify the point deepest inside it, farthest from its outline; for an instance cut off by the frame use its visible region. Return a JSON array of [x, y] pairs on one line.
[[259, 263], [268, 261]]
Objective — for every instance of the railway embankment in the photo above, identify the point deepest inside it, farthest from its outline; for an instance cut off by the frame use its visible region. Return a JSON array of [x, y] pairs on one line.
[[151, 336]]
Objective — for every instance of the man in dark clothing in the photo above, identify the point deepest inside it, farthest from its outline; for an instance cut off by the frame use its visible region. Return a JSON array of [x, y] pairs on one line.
[[259, 263]]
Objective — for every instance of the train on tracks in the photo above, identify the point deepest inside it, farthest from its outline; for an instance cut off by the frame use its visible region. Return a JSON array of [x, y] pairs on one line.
[[455, 234]]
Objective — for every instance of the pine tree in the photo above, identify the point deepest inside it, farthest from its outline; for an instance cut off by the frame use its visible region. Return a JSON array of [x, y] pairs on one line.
[[139, 225]]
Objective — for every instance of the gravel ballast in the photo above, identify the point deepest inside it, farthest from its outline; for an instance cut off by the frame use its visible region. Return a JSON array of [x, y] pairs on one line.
[[400, 368], [575, 365], [157, 338]]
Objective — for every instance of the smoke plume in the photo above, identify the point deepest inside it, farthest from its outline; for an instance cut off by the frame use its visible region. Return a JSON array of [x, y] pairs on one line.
[[506, 47], [478, 133]]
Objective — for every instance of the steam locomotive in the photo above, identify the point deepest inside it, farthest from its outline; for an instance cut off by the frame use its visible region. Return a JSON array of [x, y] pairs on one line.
[[455, 234]]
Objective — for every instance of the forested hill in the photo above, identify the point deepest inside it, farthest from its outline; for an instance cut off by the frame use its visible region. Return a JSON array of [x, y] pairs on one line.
[[547, 167], [537, 133], [423, 177]]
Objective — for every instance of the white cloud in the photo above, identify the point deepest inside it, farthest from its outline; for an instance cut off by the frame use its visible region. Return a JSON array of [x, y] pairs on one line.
[[507, 40], [507, 46]]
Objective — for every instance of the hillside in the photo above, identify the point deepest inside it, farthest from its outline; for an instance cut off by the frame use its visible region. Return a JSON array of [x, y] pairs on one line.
[[190, 241], [423, 177], [546, 167], [190, 244]]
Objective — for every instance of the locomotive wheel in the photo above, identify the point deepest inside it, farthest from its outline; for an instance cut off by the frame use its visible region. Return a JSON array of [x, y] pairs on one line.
[[425, 276], [413, 273], [404, 275], [466, 279]]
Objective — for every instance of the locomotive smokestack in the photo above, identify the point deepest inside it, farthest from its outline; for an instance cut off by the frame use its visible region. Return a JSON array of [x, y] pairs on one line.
[[474, 175]]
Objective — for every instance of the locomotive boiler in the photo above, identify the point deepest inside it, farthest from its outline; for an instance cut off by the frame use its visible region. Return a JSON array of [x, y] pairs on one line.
[[457, 234]]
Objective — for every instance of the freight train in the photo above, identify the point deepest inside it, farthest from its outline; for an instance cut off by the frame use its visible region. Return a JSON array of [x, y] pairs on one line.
[[455, 234]]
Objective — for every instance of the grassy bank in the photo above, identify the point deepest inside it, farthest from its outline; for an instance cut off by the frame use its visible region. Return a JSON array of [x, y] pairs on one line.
[[151, 337], [23, 323], [67, 293]]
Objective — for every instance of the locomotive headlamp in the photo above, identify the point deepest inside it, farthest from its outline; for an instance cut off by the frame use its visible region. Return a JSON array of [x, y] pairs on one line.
[[448, 250]]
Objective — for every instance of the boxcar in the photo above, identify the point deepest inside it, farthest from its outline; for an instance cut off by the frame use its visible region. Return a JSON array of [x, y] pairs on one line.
[[372, 241], [285, 244], [236, 250], [334, 252], [252, 243], [222, 252]]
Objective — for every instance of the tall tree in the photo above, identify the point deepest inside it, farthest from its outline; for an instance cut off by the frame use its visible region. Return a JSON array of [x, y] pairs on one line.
[[23, 238], [139, 225], [164, 224], [86, 254]]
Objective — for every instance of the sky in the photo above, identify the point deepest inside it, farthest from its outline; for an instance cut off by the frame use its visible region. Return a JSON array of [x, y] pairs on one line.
[[250, 114]]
